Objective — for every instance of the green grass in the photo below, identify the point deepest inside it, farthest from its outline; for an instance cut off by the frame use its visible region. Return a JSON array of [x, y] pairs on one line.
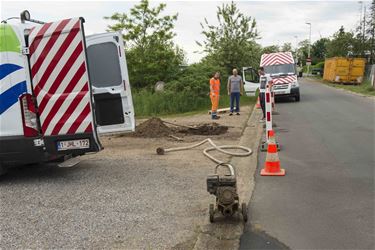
[[148, 104], [364, 88]]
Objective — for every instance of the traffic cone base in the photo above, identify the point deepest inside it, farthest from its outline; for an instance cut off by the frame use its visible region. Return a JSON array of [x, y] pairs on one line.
[[263, 172], [272, 164]]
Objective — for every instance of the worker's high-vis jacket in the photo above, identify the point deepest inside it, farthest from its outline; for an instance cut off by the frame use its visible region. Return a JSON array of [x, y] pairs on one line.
[[214, 86]]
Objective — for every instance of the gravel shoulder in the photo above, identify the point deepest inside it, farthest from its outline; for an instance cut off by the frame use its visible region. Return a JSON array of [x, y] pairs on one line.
[[126, 196]]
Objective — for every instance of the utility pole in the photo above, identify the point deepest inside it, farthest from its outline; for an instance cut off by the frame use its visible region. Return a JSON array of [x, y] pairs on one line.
[[296, 37], [362, 26], [308, 60], [364, 31], [360, 15]]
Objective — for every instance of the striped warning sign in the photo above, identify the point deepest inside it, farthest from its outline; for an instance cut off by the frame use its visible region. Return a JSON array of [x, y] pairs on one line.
[[60, 77]]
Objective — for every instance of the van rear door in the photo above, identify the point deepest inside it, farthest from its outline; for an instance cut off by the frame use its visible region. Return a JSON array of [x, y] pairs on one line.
[[60, 79], [110, 83], [251, 81]]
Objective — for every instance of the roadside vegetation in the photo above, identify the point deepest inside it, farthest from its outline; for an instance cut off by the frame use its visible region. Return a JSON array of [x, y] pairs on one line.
[[153, 56], [167, 103], [365, 88]]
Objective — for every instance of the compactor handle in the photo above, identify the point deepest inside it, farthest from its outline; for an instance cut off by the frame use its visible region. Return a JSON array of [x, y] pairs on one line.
[[228, 166]]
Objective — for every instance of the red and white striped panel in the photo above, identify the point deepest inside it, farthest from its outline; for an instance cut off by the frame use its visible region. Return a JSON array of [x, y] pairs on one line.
[[268, 107], [286, 79], [276, 58], [60, 77]]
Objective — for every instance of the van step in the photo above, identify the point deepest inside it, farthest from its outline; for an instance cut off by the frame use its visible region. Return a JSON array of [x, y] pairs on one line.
[[70, 162]]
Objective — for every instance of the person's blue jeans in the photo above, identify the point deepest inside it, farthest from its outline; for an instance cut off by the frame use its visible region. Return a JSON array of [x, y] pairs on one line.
[[235, 97]]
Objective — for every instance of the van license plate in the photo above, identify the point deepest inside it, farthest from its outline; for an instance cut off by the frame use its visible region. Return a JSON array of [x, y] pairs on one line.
[[73, 144]]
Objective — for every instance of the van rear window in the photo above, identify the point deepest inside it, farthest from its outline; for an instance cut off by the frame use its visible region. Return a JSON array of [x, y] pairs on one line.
[[104, 66]]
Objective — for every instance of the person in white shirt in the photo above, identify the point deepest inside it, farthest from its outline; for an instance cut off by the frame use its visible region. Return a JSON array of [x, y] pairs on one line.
[[265, 79]]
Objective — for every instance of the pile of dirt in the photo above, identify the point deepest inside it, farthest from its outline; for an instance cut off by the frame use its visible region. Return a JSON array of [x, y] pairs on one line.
[[156, 128], [206, 129], [152, 128]]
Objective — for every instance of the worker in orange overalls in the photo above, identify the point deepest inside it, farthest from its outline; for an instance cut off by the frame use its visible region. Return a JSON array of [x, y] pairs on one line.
[[215, 95]]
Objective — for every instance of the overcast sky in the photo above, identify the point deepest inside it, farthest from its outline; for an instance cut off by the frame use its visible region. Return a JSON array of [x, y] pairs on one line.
[[277, 21]]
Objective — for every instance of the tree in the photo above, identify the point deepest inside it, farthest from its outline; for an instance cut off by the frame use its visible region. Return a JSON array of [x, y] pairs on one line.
[[270, 49], [303, 48], [287, 47], [342, 44], [232, 42], [319, 49], [151, 53]]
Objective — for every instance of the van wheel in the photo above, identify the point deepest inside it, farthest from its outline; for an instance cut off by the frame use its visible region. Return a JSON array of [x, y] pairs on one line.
[[297, 98], [3, 170]]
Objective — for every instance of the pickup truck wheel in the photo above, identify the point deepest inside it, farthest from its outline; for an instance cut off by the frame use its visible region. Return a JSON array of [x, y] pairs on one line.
[[297, 98]]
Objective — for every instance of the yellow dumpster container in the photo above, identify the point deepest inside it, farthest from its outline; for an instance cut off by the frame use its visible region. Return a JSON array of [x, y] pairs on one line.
[[344, 70]]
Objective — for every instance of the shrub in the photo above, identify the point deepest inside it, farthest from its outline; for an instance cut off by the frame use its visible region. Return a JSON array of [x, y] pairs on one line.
[[319, 65], [188, 92], [195, 79], [147, 103]]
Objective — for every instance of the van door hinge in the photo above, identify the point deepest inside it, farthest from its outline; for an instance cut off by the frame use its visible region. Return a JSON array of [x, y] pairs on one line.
[[25, 51]]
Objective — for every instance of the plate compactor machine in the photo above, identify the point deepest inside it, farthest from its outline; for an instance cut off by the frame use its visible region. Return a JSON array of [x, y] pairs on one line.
[[224, 187]]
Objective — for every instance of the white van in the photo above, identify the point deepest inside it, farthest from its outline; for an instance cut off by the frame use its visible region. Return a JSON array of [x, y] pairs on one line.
[[282, 68], [60, 90]]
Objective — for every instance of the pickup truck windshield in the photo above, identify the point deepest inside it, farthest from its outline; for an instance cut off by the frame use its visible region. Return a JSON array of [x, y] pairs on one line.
[[280, 69]]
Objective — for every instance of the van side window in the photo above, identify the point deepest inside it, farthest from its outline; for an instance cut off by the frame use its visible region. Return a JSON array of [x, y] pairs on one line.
[[104, 66], [251, 76]]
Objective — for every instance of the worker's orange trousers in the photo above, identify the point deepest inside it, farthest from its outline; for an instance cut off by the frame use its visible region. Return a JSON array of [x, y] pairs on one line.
[[215, 103]]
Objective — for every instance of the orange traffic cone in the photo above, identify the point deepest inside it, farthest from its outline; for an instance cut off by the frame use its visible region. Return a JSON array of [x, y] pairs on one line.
[[258, 104], [272, 165]]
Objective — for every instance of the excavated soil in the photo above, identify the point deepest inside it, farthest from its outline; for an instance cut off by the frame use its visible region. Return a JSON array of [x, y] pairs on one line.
[[153, 128], [156, 128], [206, 129]]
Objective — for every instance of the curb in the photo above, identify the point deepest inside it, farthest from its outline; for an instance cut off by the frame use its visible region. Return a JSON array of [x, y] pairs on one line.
[[226, 233]]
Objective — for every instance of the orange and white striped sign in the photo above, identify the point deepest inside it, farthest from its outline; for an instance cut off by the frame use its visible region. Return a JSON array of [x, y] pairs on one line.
[[60, 77]]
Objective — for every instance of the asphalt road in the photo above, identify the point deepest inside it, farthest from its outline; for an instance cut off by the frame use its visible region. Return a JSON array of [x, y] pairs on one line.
[[326, 199]]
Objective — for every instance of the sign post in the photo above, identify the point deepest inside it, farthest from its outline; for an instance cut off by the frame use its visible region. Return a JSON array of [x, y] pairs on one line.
[[308, 63]]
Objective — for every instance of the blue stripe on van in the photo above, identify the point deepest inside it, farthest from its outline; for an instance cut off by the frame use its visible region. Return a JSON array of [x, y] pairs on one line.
[[8, 68], [10, 96]]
